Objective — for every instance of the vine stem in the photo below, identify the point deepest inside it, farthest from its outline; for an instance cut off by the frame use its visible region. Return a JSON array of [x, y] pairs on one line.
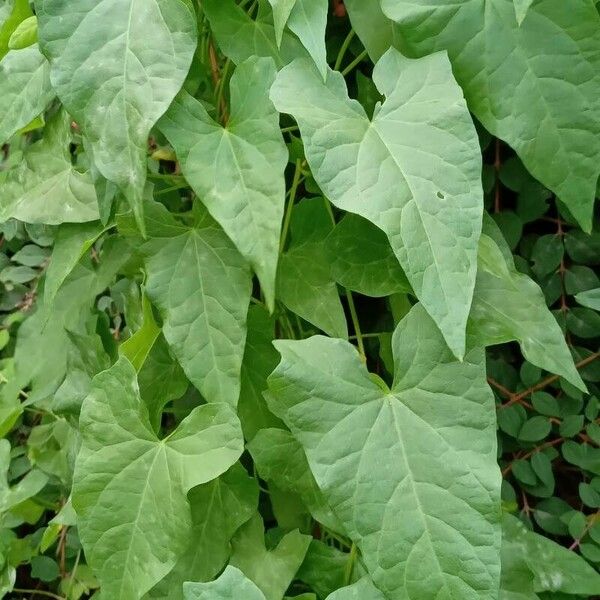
[[350, 299], [355, 62], [343, 49], [290, 206], [549, 380], [350, 564]]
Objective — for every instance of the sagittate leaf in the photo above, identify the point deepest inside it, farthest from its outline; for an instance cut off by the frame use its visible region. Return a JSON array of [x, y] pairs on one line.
[[219, 508], [413, 170], [26, 89], [535, 85], [508, 305], [231, 585], [424, 449], [554, 568], [202, 287], [45, 187], [112, 80], [135, 542], [237, 170], [272, 571]]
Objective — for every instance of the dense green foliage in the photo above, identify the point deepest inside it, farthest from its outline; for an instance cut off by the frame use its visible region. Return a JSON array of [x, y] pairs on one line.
[[299, 299]]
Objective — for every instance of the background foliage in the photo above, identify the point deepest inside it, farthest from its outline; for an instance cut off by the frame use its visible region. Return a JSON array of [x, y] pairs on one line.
[[181, 184]]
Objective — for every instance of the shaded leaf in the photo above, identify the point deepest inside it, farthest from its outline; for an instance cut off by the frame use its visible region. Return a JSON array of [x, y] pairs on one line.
[[411, 170], [112, 80], [132, 546], [237, 170]]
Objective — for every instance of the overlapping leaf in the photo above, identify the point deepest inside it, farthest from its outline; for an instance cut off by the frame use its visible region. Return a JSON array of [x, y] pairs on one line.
[[425, 449], [413, 170], [202, 287], [45, 187], [219, 508], [535, 84], [26, 89], [130, 487], [508, 305], [237, 170], [112, 80]]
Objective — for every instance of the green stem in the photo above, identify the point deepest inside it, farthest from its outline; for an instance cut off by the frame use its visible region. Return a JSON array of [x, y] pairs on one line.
[[351, 306], [355, 62], [350, 565], [289, 129], [356, 325], [290, 206], [72, 576], [342, 52], [221, 88]]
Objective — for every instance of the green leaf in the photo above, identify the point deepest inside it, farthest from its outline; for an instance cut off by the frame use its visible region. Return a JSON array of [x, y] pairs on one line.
[[133, 544], [375, 30], [26, 89], [374, 453], [239, 36], [280, 460], [45, 187], [72, 241], [308, 20], [529, 84], [237, 170], [219, 508], [19, 11], [361, 590], [507, 306], [231, 585], [554, 568], [304, 281], [137, 348], [28, 487], [161, 380], [589, 298], [411, 170], [202, 287], [272, 571], [521, 8], [361, 259], [24, 35], [260, 358], [281, 14], [324, 568], [112, 80]]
